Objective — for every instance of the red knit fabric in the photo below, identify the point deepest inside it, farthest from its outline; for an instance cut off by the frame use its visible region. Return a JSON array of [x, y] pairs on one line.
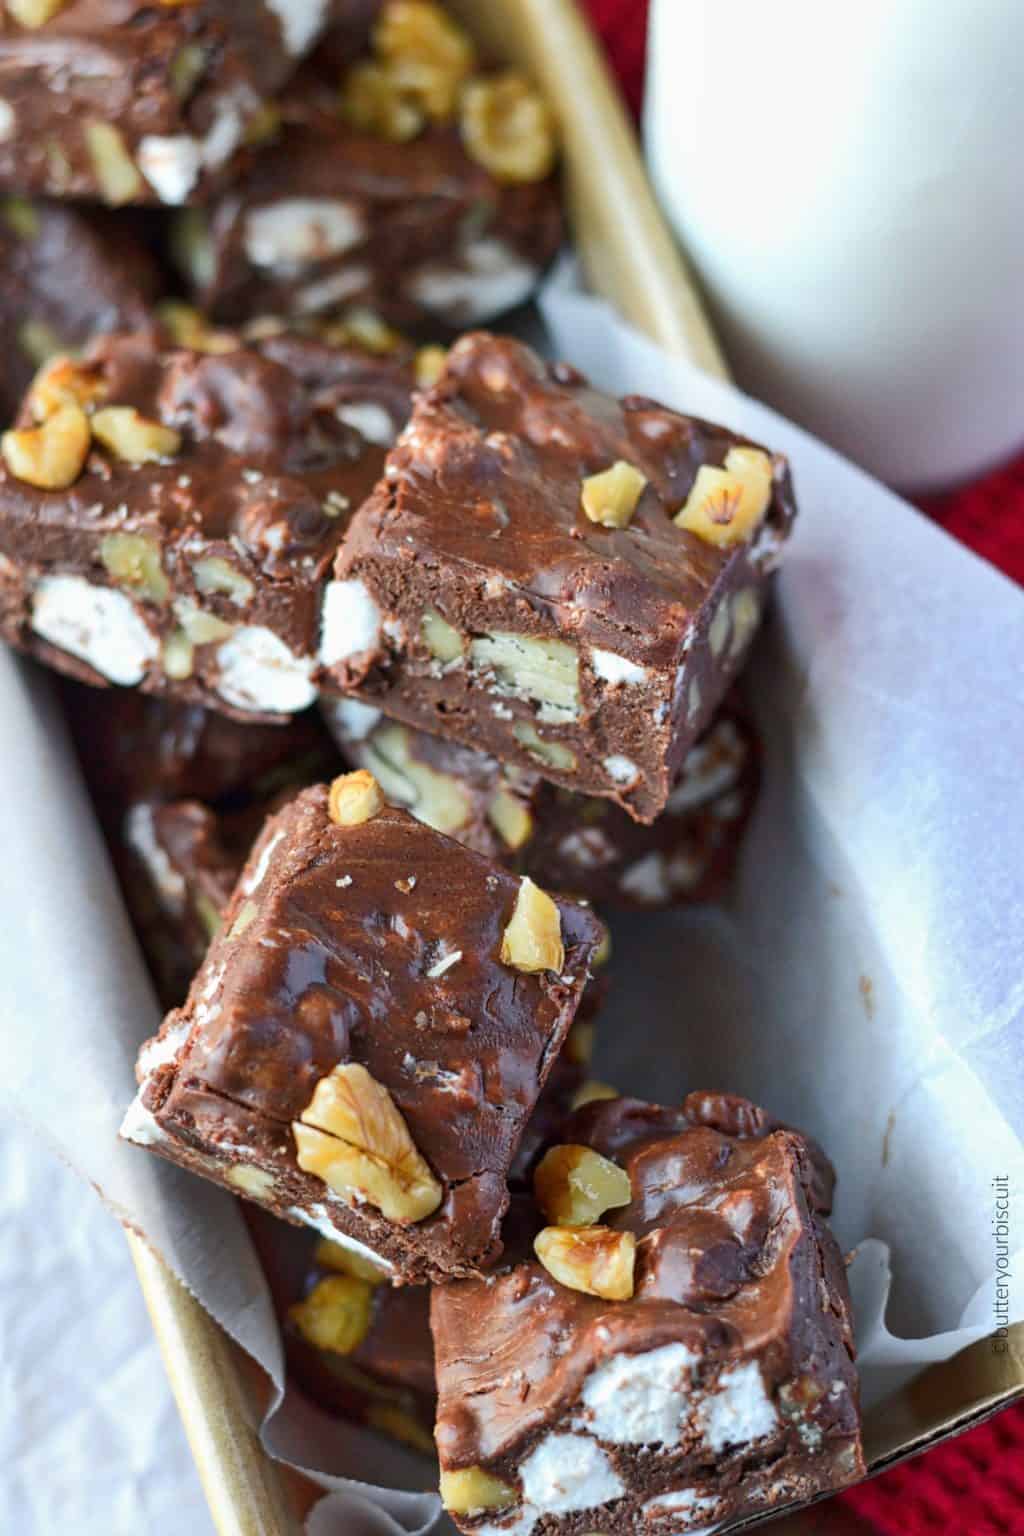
[[974, 1485]]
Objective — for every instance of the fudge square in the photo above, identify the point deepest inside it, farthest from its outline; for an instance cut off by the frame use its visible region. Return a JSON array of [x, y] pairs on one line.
[[169, 514], [563, 580], [677, 1355], [366, 1039], [124, 101]]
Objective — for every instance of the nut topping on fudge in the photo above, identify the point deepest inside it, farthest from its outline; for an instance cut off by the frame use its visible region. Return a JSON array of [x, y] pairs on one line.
[[520, 582], [169, 514], [685, 1361], [355, 1053]]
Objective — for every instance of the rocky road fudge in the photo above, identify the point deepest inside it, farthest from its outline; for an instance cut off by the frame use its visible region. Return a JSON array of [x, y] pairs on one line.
[[127, 101], [369, 1032], [421, 187], [359, 1347], [66, 274], [566, 841], [168, 515], [565, 581], [678, 1352]]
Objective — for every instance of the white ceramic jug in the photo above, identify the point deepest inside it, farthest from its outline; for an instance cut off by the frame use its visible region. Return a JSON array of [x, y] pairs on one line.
[[848, 181]]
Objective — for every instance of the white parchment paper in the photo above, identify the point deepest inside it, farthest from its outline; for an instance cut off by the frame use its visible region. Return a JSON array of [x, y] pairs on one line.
[[868, 983]]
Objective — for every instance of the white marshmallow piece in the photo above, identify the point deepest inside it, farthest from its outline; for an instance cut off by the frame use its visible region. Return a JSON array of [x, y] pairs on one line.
[[259, 672], [299, 231], [99, 625], [350, 621]]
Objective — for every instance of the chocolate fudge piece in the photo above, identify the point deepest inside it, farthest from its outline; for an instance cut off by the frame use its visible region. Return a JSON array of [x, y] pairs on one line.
[[66, 274], [677, 1356], [369, 1032], [179, 863], [563, 840], [124, 101], [565, 581], [168, 515], [423, 189], [135, 747], [359, 1348]]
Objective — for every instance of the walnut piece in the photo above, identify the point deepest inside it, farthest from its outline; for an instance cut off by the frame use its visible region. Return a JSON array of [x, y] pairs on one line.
[[216, 575], [532, 941], [52, 455], [373, 102], [510, 818], [575, 1185], [554, 753], [186, 326], [198, 626], [255, 1182], [471, 1489], [130, 436], [331, 1255], [437, 799], [426, 54], [132, 560], [591, 1091], [33, 13], [508, 128], [63, 382], [611, 497], [116, 174], [526, 666], [440, 639], [354, 798], [392, 1420], [429, 365], [726, 505], [746, 615], [178, 656], [595, 1260], [352, 1135], [336, 1314]]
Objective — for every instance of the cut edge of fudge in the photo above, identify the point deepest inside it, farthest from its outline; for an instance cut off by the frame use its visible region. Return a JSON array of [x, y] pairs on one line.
[[230, 1099]]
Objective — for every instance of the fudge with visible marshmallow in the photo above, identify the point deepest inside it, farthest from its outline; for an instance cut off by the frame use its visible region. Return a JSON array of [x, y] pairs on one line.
[[676, 1354], [124, 101], [369, 1033], [565, 841], [412, 183], [67, 273], [565, 581], [169, 514]]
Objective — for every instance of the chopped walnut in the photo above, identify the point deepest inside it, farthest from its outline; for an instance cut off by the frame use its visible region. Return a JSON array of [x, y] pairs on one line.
[[130, 436], [331, 1255], [425, 52], [611, 497], [52, 455], [510, 818], [595, 1260], [440, 638], [508, 128], [554, 753], [33, 13], [532, 940], [336, 1314], [353, 1136], [134, 561], [63, 382], [727, 505], [575, 1185], [471, 1489], [373, 102], [354, 798], [429, 365], [591, 1091], [116, 174]]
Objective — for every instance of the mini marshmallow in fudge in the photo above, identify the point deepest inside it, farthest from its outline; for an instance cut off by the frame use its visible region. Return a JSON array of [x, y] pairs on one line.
[[569, 842], [169, 515], [567, 582], [124, 101], [369, 1033], [676, 1354], [412, 183]]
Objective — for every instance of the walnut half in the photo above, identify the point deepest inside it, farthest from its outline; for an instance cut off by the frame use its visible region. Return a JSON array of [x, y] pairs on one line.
[[532, 941], [595, 1260], [575, 1185], [353, 1136]]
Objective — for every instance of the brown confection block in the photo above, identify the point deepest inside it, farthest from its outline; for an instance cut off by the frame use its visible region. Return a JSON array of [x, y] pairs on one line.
[[566, 841], [369, 1033], [565, 581], [381, 189], [359, 1348], [67, 273], [124, 101], [135, 746], [169, 514], [682, 1357]]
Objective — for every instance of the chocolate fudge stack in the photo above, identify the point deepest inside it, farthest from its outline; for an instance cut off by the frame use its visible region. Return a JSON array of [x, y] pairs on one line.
[[393, 653]]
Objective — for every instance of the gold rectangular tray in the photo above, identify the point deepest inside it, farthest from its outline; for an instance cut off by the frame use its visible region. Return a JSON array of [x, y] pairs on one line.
[[630, 258]]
